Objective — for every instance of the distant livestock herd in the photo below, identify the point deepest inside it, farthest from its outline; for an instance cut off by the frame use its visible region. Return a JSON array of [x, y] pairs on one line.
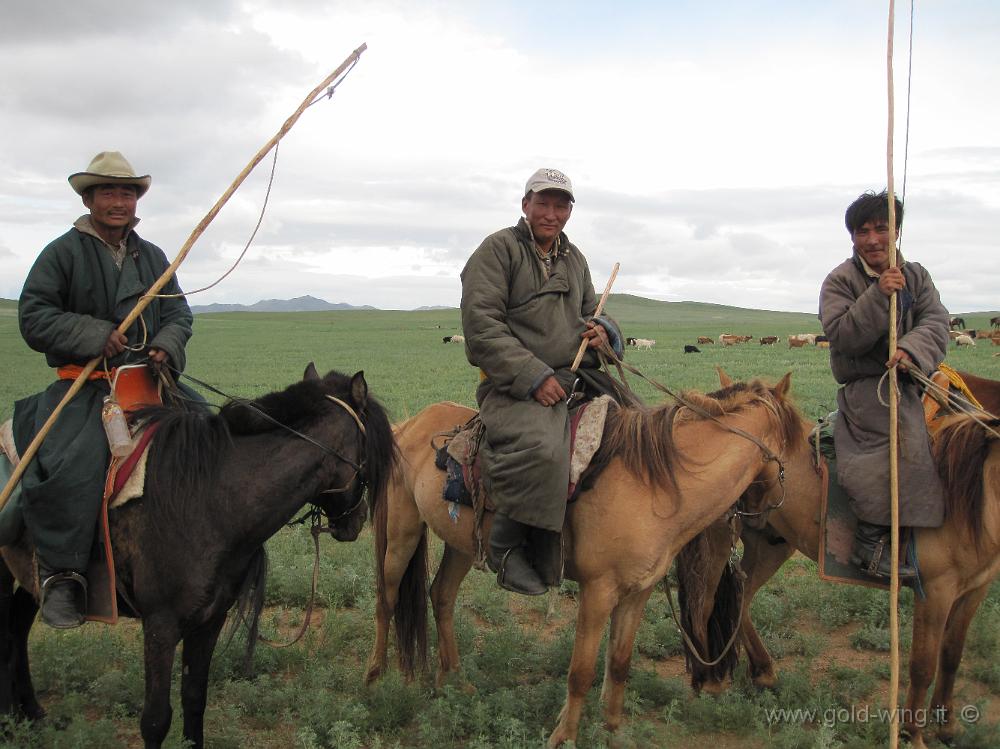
[[797, 340]]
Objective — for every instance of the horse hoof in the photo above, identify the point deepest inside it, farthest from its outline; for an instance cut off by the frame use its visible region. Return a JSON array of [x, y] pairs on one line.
[[765, 681], [713, 688]]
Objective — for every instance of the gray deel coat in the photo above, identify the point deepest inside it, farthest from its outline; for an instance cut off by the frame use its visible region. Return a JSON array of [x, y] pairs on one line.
[[520, 327], [855, 317]]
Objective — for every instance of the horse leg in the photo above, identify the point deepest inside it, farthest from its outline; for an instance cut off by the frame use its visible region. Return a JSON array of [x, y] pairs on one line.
[[404, 533], [21, 618], [942, 701], [625, 621], [8, 644], [929, 619], [444, 591], [596, 603], [761, 559], [196, 659], [160, 638]]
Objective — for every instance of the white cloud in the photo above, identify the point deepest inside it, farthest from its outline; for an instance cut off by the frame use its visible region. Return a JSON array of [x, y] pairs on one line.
[[713, 157]]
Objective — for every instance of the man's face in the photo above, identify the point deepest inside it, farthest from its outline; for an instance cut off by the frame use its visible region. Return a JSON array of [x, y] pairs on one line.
[[111, 206], [547, 213], [871, 241]]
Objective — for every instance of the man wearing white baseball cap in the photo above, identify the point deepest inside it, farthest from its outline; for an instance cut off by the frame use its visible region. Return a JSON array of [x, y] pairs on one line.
[[79, 289], [527, 301]]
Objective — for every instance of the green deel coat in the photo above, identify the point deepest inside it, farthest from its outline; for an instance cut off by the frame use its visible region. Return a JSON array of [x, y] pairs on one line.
[[855, 317], [73, 297], [520, 327]]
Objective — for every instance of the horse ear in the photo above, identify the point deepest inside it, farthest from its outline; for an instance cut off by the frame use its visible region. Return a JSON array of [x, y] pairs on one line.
[[783, 386], [359, 390], [311, 373], [724, 379]]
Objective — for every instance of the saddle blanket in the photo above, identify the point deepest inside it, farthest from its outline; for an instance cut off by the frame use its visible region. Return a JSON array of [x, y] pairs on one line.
[[838, 522], [459, 457], [125, 481]]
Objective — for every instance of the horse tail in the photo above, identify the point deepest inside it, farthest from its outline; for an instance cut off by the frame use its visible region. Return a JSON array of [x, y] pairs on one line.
[[709, 633], [249, 605], [410, 612], [960, 450]]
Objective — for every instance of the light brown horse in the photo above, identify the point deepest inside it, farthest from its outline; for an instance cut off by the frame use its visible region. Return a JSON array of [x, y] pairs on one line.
[[958, 561], [667, 474]]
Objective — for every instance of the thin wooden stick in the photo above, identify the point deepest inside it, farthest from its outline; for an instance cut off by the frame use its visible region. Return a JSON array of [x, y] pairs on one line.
[[148, 297], [598, 311], [893, 419]]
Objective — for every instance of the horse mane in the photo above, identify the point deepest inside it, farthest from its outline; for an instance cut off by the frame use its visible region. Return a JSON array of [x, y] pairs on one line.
[[184, 456], [186, 451], [642, 437], [960, 447]]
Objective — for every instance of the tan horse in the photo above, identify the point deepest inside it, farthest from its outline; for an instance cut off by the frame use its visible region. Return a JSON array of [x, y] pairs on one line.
[[667, 475], [958, 562]]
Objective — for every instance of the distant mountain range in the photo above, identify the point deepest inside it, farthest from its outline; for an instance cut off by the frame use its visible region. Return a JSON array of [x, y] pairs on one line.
[[298, 304]]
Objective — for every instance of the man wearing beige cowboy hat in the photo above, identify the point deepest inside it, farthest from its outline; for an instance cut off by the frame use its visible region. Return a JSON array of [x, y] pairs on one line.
[[79, 289]]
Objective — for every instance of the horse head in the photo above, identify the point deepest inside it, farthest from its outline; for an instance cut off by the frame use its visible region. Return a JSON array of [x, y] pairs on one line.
[[371, 446], [767, 491]]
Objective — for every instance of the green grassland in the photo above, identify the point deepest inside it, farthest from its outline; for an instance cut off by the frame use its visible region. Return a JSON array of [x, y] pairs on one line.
[[830, 640]]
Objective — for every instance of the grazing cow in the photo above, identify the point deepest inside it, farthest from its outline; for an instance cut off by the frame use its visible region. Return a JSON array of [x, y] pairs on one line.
[[964, 340], [745, 338], [644, 343], [795, 341], [806, 338], [728, 340], [769, 340], [995, 322], [689, 349], [983, 333], [454, 339], [956, 322], [703, 339]]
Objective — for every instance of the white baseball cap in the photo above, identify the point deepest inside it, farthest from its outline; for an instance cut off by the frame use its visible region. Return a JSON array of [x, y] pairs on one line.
[[549, 179]]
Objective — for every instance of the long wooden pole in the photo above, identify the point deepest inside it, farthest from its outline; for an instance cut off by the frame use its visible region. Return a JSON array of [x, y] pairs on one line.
[[598, 311], [144, 301], [893, 418]]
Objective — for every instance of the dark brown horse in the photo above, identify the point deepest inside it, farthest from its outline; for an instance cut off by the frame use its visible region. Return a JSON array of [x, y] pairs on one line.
[[958, 561], [668, 473], [193, 545]]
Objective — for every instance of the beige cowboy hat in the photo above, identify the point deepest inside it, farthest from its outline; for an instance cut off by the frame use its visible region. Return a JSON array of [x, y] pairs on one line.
[[109, 167]]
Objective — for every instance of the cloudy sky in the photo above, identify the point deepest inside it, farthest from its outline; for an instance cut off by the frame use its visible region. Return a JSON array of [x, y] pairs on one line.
[[713, 146]]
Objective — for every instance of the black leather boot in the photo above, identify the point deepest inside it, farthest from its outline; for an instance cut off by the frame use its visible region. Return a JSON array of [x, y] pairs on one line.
[[871, 552], [64, 598], [507, 556]]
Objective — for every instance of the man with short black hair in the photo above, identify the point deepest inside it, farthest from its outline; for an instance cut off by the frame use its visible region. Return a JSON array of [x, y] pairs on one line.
[[527, 302], [79, 289], [854, 311]]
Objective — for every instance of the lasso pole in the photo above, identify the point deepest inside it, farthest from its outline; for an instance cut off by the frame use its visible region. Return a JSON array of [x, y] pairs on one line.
[[148, 297], [598, 311], [893, 420]]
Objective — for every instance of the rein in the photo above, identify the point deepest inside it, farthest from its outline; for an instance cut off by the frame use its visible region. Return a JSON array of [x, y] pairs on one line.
[[315, 530], [734, 564]]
